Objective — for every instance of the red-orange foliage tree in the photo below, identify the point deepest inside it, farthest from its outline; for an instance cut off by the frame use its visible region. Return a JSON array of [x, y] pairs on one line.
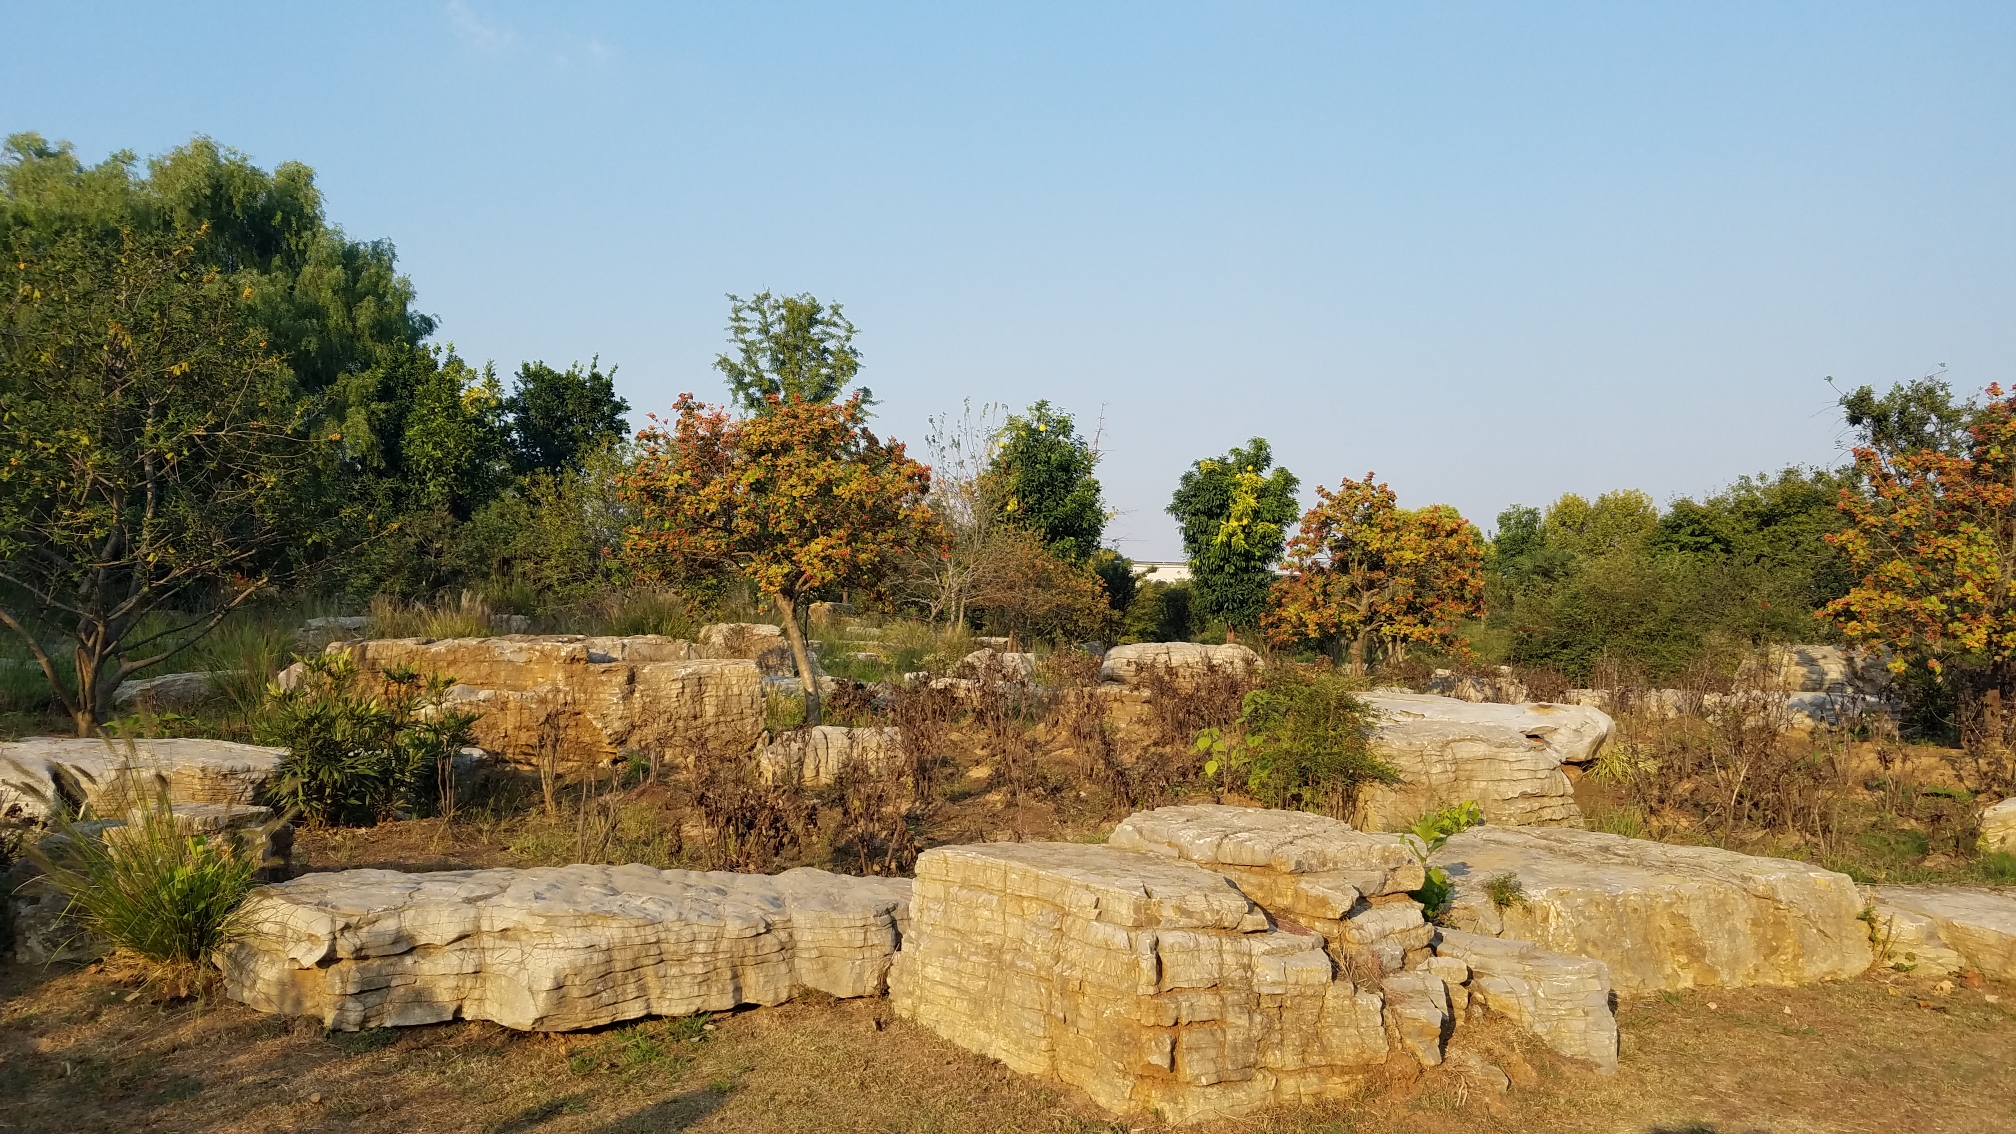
[[1362, 569], [1933, 538], [796, 498]]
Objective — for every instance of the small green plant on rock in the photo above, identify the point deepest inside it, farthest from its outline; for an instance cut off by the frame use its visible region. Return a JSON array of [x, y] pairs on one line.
[[1505, 890], [1424, 837]]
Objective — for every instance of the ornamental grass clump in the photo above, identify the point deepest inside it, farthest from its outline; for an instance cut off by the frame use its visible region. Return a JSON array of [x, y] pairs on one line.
[[162, 897]]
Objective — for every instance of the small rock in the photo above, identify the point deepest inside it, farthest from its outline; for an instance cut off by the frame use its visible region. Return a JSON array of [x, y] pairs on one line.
[[1480, 1073], [315, 1097], [1943, 988]]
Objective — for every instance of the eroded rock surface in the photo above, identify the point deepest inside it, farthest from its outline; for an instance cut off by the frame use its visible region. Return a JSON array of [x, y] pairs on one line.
[[586, 698], [559, 948], [104, 774], [1147, 981], [1998, 827], [758, 642], [1564, 1000], [1184, 661], [170, 691], [814, 756], [1944, 922], [1662, 916], [1507, 758]]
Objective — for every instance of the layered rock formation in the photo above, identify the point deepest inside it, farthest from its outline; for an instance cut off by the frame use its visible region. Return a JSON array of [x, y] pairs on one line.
[[104, 775], [1564, 1000], [1185, 661], [813, 757], [586, 699], [1661, 916], [758, 642], [559, 948], [1998, 827], [1507, 758], [1149, 982], [1948, 928]]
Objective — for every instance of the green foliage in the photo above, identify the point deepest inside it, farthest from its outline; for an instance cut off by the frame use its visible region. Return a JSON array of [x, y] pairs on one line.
[[1234, 517], [1505, 890], [789, 347], [550, 537], [1116, 572], [355, 757], [1424, 837], [1159, 612], [1300, 742], [1915, 415], [150, 887], [560, 418], [1044, 473], [158, 457]]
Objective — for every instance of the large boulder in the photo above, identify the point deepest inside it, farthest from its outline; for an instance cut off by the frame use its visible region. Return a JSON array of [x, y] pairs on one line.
[[1185, 662], [170, 692], [1950, 928], [814, 757], [1149, 982], [1660, 916], [1507, 758], [1564, 1000], [558, 948], [759, 642], [583, 699], [1820, 669], [104, 775]]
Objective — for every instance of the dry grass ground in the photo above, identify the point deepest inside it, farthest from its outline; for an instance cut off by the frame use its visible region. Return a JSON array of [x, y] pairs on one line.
[[76, 1055]]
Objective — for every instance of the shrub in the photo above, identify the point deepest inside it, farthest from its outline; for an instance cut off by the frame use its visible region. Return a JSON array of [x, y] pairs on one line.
[[1424, 837], [354, 757], [162, 897], [1505, 890], [1301, 742]]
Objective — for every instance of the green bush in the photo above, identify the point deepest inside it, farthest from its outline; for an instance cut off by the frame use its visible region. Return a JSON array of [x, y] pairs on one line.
[[152, 890], [354, 756], [1301, 742], [1424, 837]]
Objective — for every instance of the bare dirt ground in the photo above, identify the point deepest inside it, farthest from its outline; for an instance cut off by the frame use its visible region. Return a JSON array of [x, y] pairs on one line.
[[76, 1054]]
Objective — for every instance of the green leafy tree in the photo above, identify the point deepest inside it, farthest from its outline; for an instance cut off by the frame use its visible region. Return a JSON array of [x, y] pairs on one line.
[[1044, 473], [152, 456], [1234, 516], [1911, 416], [788, 347], [558, 417]]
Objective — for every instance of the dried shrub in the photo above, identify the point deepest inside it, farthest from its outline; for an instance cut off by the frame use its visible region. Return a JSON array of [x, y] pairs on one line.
[[748, 824]]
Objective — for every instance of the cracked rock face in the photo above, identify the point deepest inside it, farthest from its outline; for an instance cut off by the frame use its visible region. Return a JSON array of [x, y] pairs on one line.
[[814, 756], [1145, 980], [104, 774], [1185, 661], [1505, 757], [592, 697], [1564, 1000], [1950, 927], [1661, 916], [558, 948]]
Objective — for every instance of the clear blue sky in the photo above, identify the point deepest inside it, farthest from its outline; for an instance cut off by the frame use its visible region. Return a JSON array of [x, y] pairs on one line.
[[1494, 252]]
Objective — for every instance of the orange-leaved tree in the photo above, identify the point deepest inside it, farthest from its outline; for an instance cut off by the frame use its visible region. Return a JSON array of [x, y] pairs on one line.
[[1932, 538], [1362, 570], [795, 498]]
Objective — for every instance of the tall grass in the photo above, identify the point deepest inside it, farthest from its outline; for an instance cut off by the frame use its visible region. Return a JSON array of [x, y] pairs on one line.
[[163, 897]]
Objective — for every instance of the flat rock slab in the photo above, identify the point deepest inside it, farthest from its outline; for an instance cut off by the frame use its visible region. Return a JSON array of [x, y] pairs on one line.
[[104, 774], [1507, 758], [1978, 925], [1184, 662], [1149, 982], [559, 948], [1662, 916]]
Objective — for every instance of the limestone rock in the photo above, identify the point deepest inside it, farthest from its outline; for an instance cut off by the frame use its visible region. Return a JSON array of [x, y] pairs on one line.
[[1978, 925], [1505, 757], [1149, 982], [1186, 661], [1417, 1006], [1563, 1000], [103, 774], [759, 642], [814, 756], [989, 664], [1662, 916], [1998, 827], [170, 692], [1821, 669], [558, 948], [1502, 686], [588, 699], [1308, 870]]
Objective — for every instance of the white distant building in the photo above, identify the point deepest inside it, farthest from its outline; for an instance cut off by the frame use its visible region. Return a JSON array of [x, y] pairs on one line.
[[1149, 571]]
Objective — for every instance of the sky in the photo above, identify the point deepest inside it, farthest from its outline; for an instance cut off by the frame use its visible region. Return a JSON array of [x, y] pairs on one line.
[[1492, 252]]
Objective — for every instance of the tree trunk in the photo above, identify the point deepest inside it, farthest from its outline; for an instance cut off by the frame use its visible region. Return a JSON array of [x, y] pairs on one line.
[[1358, 654], [801, 655]]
